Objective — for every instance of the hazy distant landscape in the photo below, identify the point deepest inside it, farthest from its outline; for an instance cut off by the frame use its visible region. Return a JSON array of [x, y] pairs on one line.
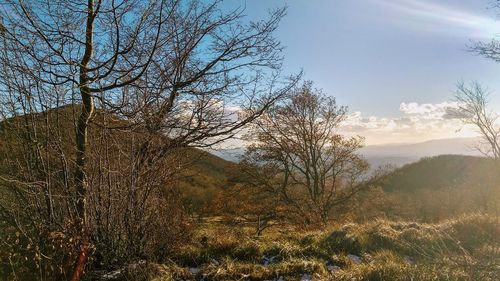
[[392, 154], [207, 140]]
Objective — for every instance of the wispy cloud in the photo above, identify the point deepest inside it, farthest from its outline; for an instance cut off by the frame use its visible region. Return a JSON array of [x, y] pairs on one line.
[[432, 17]]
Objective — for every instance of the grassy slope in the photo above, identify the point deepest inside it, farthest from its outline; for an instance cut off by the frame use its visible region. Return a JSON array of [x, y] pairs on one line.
[[210, 173], [203, 180], [207, 170], [438, 172], [466, 248]]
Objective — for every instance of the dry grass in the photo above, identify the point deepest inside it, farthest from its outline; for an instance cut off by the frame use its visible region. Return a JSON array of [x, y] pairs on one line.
[[466, 248]]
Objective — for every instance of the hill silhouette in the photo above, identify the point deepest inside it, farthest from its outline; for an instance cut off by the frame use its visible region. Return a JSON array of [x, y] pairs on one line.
[[444, 171]]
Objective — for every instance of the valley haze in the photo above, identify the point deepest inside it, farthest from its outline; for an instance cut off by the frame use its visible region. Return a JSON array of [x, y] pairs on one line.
[[397, 154]]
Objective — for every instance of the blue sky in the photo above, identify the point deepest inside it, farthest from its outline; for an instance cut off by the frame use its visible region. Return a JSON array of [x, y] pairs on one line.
[[379, 56]]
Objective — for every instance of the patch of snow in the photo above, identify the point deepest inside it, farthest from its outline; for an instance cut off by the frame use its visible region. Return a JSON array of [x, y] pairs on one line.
[[116, 274], [194, 270], [112, 275], [268, 260], [409, 260], [354, 258], [306, 277], [333, 268]]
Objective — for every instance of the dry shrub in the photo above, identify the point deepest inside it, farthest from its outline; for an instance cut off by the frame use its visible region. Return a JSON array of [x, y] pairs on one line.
[[135, 210], [26, 255]]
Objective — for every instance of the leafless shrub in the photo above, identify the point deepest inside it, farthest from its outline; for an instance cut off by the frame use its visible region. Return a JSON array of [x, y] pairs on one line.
[[142, 80]]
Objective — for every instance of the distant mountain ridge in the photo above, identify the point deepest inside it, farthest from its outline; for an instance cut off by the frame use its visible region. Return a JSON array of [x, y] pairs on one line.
[[391, 154], [463, 146], [401, 154]]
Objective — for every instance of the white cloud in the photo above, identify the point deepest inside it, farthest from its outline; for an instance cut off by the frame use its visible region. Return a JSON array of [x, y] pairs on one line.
[[427, 110], [417, 123]]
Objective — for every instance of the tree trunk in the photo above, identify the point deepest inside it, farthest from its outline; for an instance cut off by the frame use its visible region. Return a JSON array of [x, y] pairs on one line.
[[81, 147]]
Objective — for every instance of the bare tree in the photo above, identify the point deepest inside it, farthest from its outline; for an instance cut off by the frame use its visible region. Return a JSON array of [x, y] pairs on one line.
[[473, 110], [473, 99], [176, 72], [491, 49], [302, 157]]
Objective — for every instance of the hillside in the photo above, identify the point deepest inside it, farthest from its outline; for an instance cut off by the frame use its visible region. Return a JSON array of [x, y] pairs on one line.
[[206, 169], [437, 172], [204, 175], [207, 173], [370, 248], [203, 179]]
